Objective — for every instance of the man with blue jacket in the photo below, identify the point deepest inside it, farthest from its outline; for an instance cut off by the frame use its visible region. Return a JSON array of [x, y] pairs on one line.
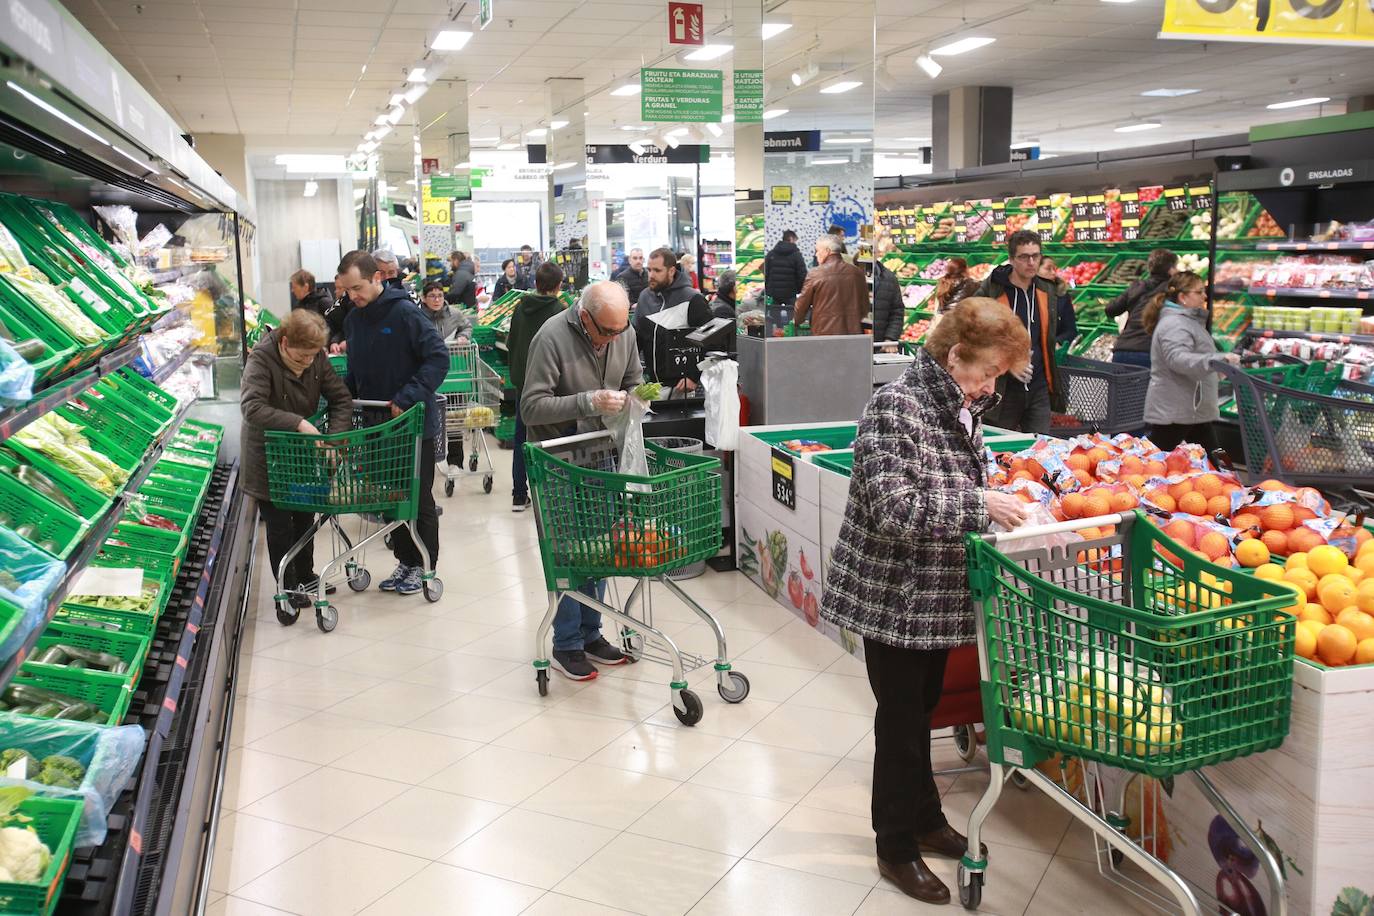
[[396, 355]]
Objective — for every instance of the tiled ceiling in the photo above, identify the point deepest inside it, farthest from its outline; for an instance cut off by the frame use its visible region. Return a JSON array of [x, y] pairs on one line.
[[315, 73]]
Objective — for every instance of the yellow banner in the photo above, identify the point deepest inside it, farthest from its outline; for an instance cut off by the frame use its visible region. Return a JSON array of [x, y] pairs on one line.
[[438, 211], [1331, 22]]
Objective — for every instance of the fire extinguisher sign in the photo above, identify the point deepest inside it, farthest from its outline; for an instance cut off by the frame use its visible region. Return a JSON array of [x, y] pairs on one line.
[[685, 25]]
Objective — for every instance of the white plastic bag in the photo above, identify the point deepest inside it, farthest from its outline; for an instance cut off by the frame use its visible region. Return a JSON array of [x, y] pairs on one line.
[[627, 428], [720, 378]]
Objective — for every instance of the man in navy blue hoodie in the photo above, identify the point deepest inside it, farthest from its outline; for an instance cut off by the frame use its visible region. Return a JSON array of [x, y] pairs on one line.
[[396, 355]]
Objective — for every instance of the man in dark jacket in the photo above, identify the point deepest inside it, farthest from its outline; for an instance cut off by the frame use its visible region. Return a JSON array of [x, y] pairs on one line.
[[1028, 401], [462, 287], [725, 304], [396, 355], [633, 276], [669, 288], [305, 294], [888, 310], [784, 272], [531, 312], [1133, 345], [390, 267]]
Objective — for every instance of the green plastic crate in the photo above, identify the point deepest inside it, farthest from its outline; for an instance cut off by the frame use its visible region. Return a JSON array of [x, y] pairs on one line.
[[109, 695], [130, 648], [111, 429], [18, 311], [21, 506], [841, 462], [90, 503], [1102, 281], [142, 394], [180, 503], [157, 570], [55, 820], [161, 490], [149, 540], [59, 354], [837, 437], [202, 426], [185, 519], [202, 466], [131, 407]]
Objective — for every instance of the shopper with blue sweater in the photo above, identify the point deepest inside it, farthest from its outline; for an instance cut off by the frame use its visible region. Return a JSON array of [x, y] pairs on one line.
[[396, 355]]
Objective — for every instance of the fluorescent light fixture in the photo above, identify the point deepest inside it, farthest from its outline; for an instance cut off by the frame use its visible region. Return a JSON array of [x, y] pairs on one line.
[[136, 162], [774, 29], [381, 132], [416, 75], [397, 100], [627, 89], [312, 188], [380, 120], [450, 40], [415, 93], [1298, 103], [772, 113], [848, 140], [537, 132], [637, 147], [563, 165], [367, 147], [963, 46], [394, 115], [508, 146], [633, 127], [709, 52], [677, 132], [728, 119], [297, 163], [557, 125], [841, 86], [829, 161], [929, 65], [485, 140], [1134, 128], [715, 130], [55, 112], [1169, 93]]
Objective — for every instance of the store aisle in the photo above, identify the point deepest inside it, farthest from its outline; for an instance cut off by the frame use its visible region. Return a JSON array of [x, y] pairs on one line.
[[405, 765]]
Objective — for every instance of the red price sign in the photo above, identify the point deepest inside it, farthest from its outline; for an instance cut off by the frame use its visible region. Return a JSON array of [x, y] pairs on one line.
[[685, 24]]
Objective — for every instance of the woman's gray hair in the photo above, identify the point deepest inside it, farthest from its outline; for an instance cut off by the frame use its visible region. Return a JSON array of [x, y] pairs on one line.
[[832, 242]]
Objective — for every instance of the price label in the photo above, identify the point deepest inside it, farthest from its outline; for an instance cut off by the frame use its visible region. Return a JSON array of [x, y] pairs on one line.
[[1046, 234], [1174, 198], [1130, 205], [1098, 233], [1201, 197], [1097, 206], [1080, 207], [1130, 229], [960, 216], [1044, 213], [929, 216], [784, 479], [999, 234]]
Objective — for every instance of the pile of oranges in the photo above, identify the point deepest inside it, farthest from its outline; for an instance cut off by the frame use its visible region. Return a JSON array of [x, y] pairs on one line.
[[1334, 602]]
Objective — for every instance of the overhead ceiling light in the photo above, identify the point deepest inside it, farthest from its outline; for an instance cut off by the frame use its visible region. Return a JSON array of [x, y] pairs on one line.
[[416, 75], [397, 100], [627, 89], [557, 125], [848, 140], [772, 113], [633, 127], [450, 40], [381, 132], [929, 65], [55, 112], [709, 52], [1169, 93], [138, 162], [728, 119], [381, 119], [715, 130], [312, 187], [485, 140], [1298, 103], [913, 139], [963, 46], [805, 73], [841, 86], [884, 78], [395, 114], [299, 163], [1133, 128], [508, 146], [829, 161], [774, 29], [537, 132], [637, 147], [415, 93]]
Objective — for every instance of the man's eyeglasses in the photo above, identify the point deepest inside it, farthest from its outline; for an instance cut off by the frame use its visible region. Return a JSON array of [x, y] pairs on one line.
[[602, 331], [1028, 258]]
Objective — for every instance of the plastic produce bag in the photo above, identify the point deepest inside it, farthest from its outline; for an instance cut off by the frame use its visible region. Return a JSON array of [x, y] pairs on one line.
[[627, 428], [16, 377], [62, 441], [27, 577], [720, 378], [99, 762]]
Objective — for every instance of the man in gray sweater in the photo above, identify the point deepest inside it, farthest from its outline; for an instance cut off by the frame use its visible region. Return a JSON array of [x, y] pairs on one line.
[[580, 366]]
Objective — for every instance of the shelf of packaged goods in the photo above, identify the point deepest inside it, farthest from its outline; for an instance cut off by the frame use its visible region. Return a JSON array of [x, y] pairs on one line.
[[1314, 246], [163, 372], [58, 393], [1273, 292], [1316, 337], [172, 274], [90, 545]]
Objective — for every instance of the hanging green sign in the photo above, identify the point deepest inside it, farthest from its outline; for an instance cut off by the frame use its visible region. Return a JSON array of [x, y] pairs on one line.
[[673, 94], [748, 96], [450, 186]]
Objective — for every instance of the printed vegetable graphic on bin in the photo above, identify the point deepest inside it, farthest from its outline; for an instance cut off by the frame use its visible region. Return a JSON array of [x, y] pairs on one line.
[[1238, 865]]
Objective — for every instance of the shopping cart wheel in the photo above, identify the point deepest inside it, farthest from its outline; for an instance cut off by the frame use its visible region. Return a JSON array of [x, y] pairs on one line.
[[434, 589], [1019, 780], [541, 677], [965, 742], [694, 711], [287, 615], [472, 462], [486, 484], [360, 580], [738, 689], [327, 618], [448, 487], [970, 888]]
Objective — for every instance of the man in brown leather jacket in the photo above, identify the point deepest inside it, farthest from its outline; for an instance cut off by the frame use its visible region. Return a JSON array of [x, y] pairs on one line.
[[835, 294]]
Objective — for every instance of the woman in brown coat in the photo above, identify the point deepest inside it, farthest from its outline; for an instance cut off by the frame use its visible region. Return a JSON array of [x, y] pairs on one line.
[[898, 579], [286, 375]]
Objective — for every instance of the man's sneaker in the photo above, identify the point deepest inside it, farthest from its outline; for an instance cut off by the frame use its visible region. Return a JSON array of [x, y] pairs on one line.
[[520, 505], [605, 653], [311, 587], [573, 664], [390, 582], [412, 582]]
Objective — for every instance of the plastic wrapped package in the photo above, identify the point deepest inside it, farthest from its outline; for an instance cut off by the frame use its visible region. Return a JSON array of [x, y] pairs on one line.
[[61, 441], [28, 577], [77, 760], [627, 427], [16, 377], [720, 378]]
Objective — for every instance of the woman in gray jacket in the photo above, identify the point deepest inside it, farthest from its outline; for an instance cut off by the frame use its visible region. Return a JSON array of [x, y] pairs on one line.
[[1182, 401]]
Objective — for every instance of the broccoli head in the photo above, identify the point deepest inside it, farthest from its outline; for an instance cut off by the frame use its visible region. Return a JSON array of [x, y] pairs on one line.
[[61, 771]]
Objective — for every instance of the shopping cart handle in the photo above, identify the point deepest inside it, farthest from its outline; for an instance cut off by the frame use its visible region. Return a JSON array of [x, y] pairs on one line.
[[572, 440], [358, 402], [1030, 531]]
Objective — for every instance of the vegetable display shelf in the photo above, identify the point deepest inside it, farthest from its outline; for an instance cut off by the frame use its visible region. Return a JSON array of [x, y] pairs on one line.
[[1296, 292], [16, 418], [1314, 246], [165, 371]]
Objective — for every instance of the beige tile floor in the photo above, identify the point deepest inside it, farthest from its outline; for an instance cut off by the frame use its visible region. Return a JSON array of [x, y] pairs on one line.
[[405, 764]]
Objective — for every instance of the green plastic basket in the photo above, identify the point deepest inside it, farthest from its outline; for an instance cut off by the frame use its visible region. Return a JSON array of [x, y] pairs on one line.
[[594, 522], [149, 540], [185, 519], [55, 820], [173, 492], [59, 352], [111, 428], [199, 465], [373, 469], [841, 462], [126, 405], [157, 570], [58, 530], [129, 648], [1121, 649], [339, 363], [143, 393], [18, 312], [505, 429], [109, 695], [90, 503], [837, 437]]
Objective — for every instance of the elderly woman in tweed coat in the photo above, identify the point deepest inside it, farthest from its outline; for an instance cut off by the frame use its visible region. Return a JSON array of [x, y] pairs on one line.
[[897, 576]]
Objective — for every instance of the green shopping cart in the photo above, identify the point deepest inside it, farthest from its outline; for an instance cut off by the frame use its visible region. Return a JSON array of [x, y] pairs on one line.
[[1136, 657], [596, 523], [371, 470], [471, 396]]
